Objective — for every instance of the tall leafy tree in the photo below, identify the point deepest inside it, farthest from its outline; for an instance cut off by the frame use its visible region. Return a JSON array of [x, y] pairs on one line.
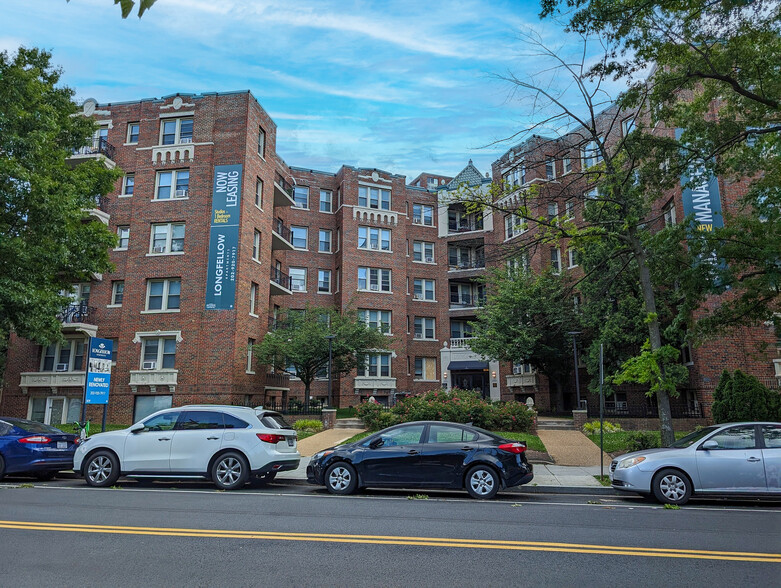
[[528, 318], [299, 347], [47, 242]]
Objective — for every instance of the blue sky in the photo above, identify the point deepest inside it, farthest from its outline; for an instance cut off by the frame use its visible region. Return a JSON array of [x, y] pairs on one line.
[[402, 86]]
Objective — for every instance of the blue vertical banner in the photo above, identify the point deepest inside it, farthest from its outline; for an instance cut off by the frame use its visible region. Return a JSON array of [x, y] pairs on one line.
[[701, 196], [224, 238], [98, 371]]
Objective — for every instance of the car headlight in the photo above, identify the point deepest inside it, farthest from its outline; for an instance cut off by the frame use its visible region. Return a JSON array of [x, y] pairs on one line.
[[628, 463], [321, 454]]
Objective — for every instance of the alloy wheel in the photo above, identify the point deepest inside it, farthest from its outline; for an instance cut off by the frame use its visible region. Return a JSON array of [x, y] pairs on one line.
[[229, 471], [99, 469]]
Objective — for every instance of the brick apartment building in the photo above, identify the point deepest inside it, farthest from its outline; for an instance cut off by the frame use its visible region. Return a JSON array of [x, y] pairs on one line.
[[404, 256]]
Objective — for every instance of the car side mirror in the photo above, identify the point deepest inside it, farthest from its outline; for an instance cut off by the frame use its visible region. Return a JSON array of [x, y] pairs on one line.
[[378, 442], [710, 444], [137, 427]]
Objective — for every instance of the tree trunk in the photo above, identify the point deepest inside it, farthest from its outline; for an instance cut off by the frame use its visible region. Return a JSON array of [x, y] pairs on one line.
[[306, 394], [654, 335]]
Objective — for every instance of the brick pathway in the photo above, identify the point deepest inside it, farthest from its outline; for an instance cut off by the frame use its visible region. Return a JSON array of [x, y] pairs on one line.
[[571, 448], [324, 440]]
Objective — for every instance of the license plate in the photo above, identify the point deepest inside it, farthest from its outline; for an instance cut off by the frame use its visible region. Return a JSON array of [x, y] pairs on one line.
[[291, 441], [62, 445]]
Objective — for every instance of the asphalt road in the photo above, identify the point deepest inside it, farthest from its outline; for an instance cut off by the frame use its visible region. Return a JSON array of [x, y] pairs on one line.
[[188, 534]]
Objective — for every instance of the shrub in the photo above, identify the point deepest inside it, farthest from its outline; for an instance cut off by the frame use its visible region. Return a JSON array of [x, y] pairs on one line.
[[370, 413], [741, 397], [592, 428], [308, 425], [640, 440]]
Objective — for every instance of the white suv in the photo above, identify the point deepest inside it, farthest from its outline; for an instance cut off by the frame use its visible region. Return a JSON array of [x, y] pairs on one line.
[[225, 444]]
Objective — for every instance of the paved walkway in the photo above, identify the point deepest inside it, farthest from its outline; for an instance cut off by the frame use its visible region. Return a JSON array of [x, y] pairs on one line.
[[324, 440], [571, 448]]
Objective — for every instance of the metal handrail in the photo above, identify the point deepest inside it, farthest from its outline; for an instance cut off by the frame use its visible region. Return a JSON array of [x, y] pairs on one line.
[[282, 230], [281, 278], [99, 146], [75, 312], [284, 184]]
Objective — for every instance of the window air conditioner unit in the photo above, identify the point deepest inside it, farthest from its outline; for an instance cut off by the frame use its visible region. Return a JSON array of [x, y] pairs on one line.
[[297, 287], [374, 287], [517, 369], [62, 367], [429, 260], [159, 249], [374, 246], [149, 365], [182, 193], [417, 296], [186, 140]]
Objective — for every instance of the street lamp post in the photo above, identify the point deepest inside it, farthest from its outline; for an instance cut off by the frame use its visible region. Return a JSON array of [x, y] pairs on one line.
[[575, 355], [330, 368]]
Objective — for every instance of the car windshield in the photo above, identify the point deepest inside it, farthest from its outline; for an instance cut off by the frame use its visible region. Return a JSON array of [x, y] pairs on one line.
[[273, 420], [32, 426], [692, 438]]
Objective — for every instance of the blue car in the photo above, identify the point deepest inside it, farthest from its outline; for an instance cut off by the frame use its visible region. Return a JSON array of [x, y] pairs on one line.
[[35, 449]]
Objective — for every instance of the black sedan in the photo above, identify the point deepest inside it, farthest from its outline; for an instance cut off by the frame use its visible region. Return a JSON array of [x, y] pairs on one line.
[[424, 454], [34, 449]]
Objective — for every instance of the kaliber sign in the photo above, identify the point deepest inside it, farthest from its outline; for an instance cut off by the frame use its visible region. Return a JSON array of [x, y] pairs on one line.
[[224, 238]]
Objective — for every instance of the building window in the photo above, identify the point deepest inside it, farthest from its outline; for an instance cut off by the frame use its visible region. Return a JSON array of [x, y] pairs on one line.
[[374, 279], [173, 184], [256, 246], [301, 196], [324, 281], [519, 263], [117, 292], [514, 225], [377, 366], [253, 298], [369, 197], [423, 289], [176, 130], [64, 356], [132, 132], [423, 251], [250, 346], [128, 184], [324, 241], [163, 294], [573, 257], [555, 260], [326, 201], [114, 350], [425, 327], [261, 142], [567, 165], [337, 279], [460, 329], [576, 303], [591, 154], [167, 238], [550, 168], [338, 239], [628, 125], [553, 211], [299, 236], [146, 405], [158, 353], [259, 193], [376, 319], [423, 214], [298, 279], [669, 213], [123, 232], [426, 368], [569, 208], [373, 238]]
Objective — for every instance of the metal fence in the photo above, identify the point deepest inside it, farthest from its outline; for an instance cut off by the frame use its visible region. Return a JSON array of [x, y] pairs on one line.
[[620, 409], [295, 408]]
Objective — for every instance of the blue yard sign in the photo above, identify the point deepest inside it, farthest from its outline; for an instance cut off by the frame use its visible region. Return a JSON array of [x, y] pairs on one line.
[[98, 371], [224, 238]]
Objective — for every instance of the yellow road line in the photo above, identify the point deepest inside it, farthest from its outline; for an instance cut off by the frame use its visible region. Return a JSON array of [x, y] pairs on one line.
[[398, 540]]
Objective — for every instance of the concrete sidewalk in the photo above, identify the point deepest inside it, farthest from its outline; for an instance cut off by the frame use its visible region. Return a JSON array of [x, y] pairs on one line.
[[328, 438], [572, 448]]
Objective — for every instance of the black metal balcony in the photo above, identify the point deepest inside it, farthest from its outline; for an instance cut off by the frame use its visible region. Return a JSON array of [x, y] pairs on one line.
[[77, 312], [465, 226], [277, 380], [284, 184], [100, 146], [467, 265], [280, 278]]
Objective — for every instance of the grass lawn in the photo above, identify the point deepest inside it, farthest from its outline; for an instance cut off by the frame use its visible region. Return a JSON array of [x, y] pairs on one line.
[[532, 441], [346, 413], [604, 480], [620, 441]]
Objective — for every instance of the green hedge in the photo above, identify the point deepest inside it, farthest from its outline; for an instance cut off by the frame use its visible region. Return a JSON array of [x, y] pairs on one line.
[[458, 406]]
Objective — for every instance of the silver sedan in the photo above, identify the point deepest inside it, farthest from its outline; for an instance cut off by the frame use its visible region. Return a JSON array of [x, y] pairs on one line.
[[735, 459]]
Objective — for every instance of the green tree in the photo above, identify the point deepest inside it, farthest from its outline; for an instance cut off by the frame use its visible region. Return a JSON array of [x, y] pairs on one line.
[[127, 6], [741, 397], [527, 318], [47, 242], [299, 347]]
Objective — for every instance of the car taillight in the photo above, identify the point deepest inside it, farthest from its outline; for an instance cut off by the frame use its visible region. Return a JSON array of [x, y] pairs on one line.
[[270, 438], [35, 439], [513, 447]]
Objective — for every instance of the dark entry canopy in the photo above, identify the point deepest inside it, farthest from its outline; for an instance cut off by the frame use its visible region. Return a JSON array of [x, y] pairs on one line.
[[467, 365]]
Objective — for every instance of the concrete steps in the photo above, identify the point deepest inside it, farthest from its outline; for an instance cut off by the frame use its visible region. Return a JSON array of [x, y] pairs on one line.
[[554, 424], [349, 424]]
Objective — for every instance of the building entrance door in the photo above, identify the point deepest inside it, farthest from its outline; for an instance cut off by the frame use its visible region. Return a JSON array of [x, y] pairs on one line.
[[474, 380]]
